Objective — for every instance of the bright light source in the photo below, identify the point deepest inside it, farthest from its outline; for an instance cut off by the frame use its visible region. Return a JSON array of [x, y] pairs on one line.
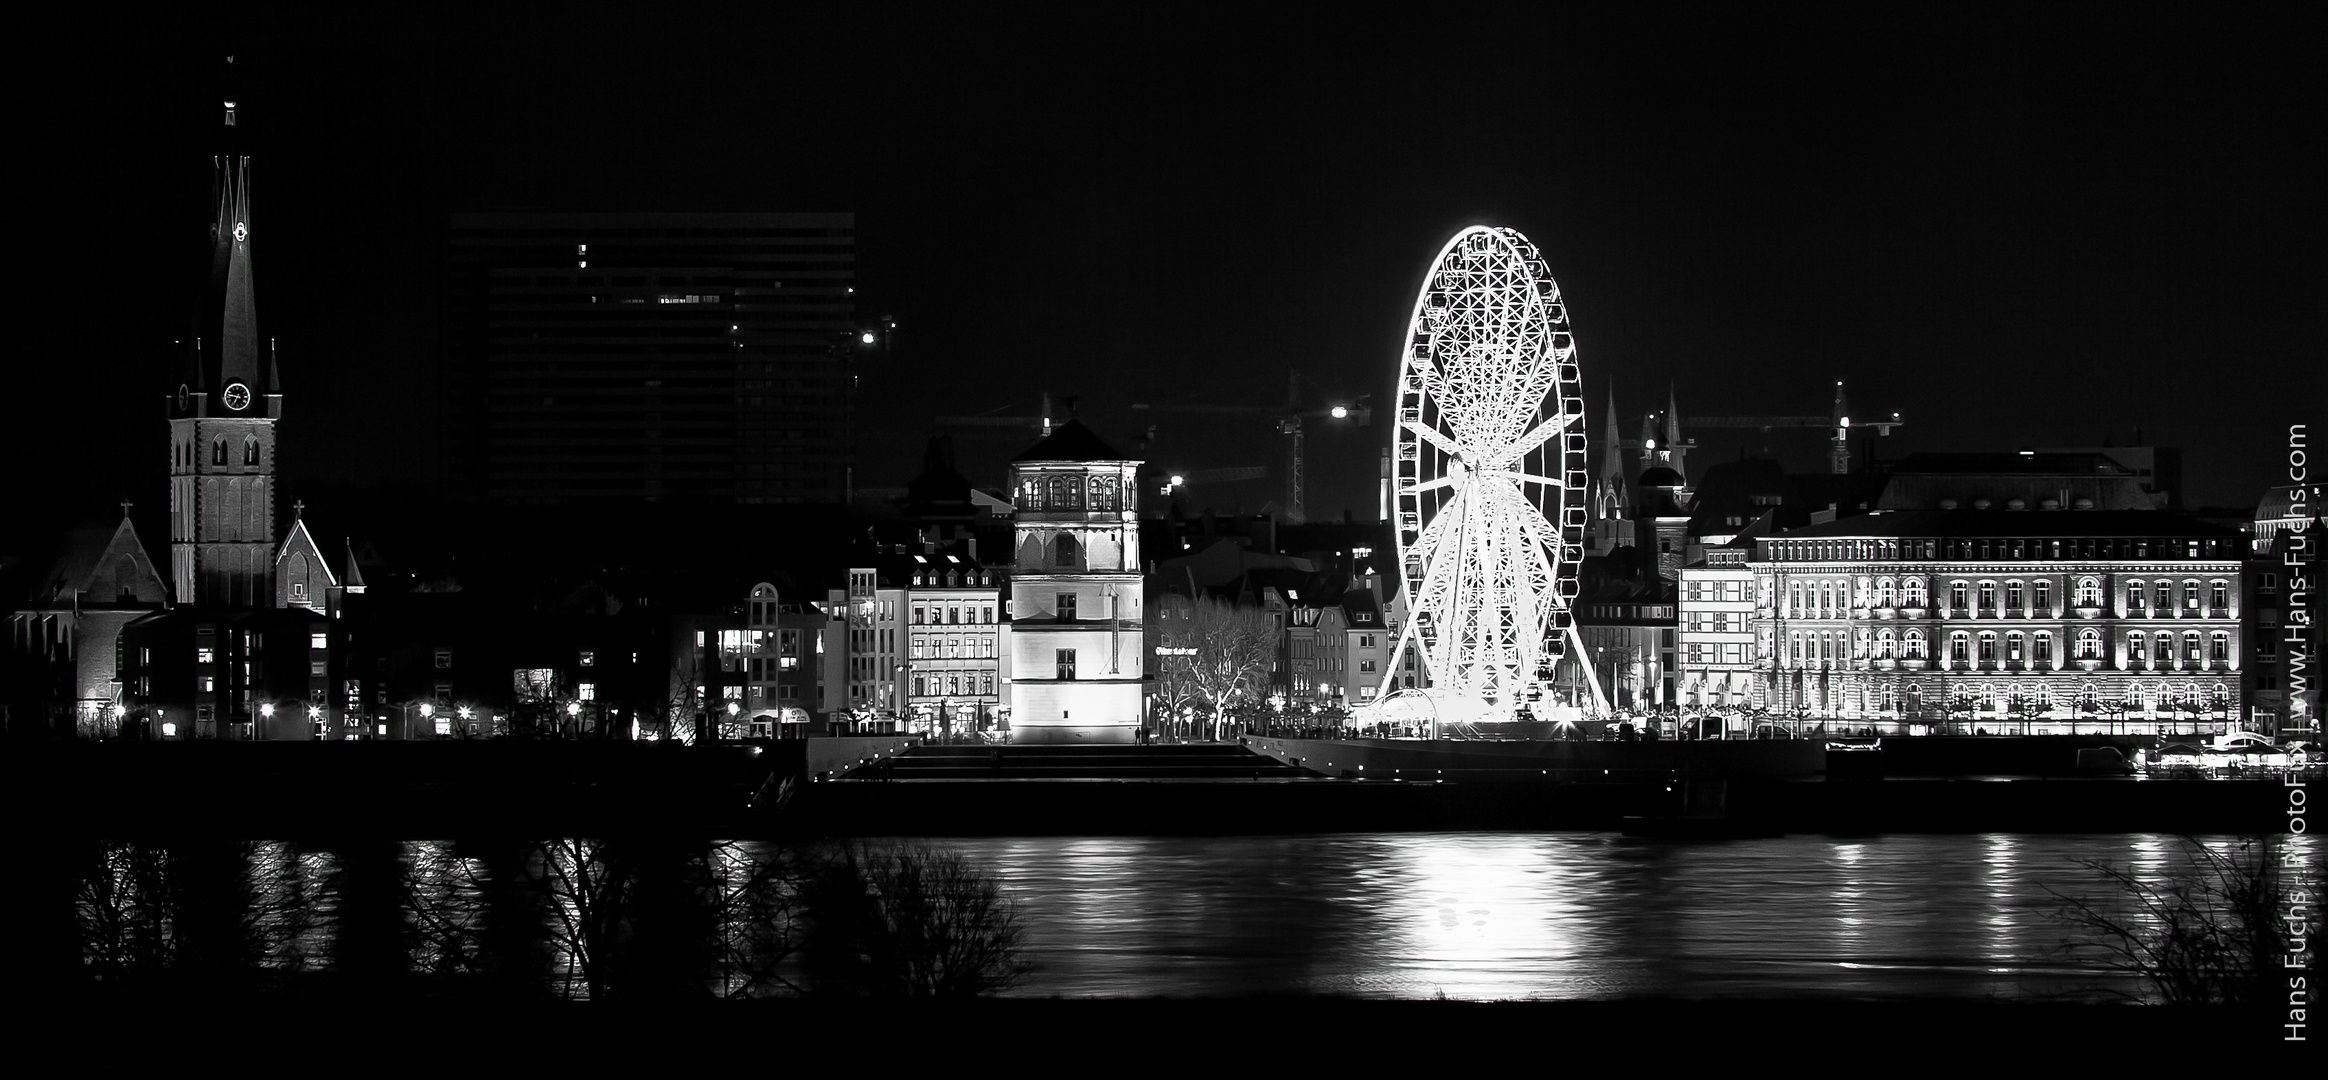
[[1846, 421], [426, 710], [267, 710], [573, 708], [866, 337], [1648, 444], [1341, 412], [1178, 480]]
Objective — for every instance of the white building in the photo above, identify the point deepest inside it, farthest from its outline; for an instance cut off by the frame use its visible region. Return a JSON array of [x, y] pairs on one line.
[[1077, 642], [1717, 654]]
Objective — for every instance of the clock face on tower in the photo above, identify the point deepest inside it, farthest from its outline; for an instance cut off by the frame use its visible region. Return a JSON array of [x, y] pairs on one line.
[[236, 395], [182, 395]]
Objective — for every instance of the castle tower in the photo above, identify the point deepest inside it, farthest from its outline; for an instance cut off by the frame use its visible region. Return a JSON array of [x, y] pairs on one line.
[[1076, 640], [222, 418]]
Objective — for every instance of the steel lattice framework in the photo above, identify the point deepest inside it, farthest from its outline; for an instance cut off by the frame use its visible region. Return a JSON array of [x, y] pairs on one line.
[[1489, 473]]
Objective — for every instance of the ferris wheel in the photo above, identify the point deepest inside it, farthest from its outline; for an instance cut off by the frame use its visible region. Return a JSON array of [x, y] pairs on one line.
[[1489, 475]]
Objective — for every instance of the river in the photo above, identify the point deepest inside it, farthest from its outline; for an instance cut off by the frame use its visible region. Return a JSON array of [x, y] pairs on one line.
[[1567, 916]]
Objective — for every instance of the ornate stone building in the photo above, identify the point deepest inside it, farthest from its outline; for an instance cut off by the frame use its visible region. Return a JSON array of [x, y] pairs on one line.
[[2001, 620], [1077, 641]]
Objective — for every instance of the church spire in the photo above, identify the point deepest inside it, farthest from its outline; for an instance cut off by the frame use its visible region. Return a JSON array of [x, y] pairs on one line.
[[230, 264], [1612, 486]]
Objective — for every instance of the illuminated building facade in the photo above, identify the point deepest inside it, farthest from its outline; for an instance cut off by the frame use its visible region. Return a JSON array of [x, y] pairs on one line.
[[958, 645], [2282, 676], [644, 357], [2002, 621], [1716, 650], [1078, 645]]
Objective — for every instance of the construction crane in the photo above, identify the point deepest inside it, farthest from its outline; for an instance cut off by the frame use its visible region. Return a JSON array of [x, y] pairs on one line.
[[1040, 425], [1838, 420], [1290, 420]]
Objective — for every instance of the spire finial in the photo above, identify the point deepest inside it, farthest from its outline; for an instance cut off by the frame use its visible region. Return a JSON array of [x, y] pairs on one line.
[[125, 505], [297, 506]]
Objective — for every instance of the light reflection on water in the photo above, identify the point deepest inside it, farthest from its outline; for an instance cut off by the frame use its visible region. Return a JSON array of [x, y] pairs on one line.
[[1557, 916]]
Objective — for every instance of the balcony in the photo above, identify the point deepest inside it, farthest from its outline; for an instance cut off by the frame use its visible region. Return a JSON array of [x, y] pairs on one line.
[[2088, 611], [1885, 663], [1882, 613], [1913, 663], [1911, 611]]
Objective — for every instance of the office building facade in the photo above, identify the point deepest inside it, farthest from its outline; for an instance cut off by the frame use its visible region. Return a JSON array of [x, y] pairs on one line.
[[649, 357]]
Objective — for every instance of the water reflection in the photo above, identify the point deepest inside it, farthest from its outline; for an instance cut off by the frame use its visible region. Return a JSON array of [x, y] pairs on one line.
[[1561, 916], [1483, 916]]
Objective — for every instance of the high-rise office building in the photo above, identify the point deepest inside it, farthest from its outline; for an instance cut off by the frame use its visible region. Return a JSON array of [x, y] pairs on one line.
[[646, 357]]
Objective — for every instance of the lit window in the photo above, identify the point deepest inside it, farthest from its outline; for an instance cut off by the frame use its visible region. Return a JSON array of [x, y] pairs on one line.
[[316, 641]]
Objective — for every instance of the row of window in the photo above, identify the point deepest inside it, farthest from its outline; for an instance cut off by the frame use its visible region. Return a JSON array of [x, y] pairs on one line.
[[953, 579], [952, 648], [182, 454], [2115, 547], [1069, 492], [934, 614], [1988, 646], [951, 683], [1829, 599]]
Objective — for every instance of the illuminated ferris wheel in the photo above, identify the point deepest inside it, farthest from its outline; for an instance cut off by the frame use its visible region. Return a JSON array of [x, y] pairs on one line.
[[1489, 475]]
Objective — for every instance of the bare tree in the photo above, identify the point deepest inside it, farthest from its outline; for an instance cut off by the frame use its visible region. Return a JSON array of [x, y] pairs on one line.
[[1230, 651], [909, 922], [2212, 933]]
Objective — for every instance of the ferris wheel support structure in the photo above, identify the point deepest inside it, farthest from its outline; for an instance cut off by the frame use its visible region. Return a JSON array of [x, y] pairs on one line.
[[1488, 478]]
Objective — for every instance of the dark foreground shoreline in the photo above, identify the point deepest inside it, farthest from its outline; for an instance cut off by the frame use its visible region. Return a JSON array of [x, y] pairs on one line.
[[1051, 1033]]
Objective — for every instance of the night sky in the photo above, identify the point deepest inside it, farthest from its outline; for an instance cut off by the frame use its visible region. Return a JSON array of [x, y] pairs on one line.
[[2041, 229]]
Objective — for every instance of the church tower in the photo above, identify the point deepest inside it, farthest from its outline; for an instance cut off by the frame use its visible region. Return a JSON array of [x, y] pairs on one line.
[[1077, 637], [222, 417]]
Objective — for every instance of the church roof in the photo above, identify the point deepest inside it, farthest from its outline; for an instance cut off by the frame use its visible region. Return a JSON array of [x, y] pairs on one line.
[[1070, 441], [1950, 524], [103, 567], [1661, 476]]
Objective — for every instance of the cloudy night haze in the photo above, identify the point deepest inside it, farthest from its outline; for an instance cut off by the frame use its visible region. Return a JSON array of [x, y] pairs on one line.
[[1723, 515]]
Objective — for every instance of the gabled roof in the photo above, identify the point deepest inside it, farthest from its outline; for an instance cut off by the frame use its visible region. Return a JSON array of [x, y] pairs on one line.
[[102, 567], [1070, 441]]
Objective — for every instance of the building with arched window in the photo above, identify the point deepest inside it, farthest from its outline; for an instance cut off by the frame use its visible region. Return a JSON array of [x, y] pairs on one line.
[[1077, 661], [2043, 620]]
